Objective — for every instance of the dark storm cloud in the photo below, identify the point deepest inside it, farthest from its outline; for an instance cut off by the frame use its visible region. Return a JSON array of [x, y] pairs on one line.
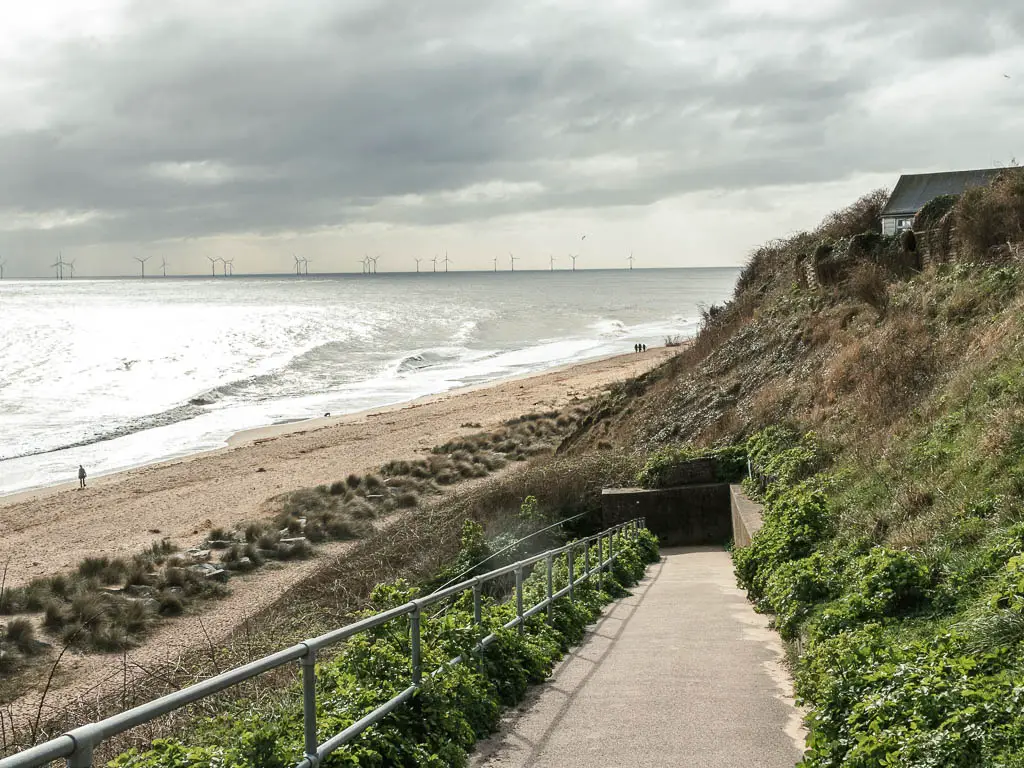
[[186, 125]]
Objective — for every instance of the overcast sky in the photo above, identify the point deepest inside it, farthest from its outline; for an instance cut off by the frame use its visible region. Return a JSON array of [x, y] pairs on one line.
[[686, 132]]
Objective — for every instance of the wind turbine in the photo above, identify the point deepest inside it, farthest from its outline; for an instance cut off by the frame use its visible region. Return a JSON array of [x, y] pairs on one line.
[[495, 263], [552, 262], [2, 263], [142, 263], [435, 263], [305, 265], [163, 265], [298, 264], [213, 264], [630, 260], [446, 260], [418, 265], [59, 266], [229, 266], [512, 259], [574, 261], [70, 265]]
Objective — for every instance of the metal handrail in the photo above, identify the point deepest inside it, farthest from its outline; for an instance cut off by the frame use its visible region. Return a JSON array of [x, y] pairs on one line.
[[77, 745]]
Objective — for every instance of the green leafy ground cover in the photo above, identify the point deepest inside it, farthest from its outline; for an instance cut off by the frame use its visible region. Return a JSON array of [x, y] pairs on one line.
[[905, 656], [447, 715]]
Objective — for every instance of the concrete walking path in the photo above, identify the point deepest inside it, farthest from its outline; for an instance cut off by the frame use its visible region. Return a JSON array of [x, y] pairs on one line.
[[681, 673]]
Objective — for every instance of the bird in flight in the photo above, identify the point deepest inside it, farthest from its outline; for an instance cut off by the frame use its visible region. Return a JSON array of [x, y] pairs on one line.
[[1006, 76]]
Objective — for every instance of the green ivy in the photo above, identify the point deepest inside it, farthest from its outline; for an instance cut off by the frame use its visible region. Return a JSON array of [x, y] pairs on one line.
[[888, 677], [784, 455], [795, 521], [447, 715]]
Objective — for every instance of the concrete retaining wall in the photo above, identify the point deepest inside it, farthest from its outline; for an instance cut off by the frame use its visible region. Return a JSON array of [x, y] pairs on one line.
[[693, 515], [746, 516]]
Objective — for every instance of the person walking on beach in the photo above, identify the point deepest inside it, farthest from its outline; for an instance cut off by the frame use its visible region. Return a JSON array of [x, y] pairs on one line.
[[81, 476], [643, 347]]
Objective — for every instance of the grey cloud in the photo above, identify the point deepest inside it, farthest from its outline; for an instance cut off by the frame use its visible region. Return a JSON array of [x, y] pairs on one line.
[[380, 100]]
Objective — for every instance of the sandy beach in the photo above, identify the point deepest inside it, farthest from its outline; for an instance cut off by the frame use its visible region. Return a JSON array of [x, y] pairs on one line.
[[49, 530]]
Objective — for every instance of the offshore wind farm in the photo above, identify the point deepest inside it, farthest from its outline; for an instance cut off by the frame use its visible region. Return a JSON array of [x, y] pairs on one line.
[[299, 265]]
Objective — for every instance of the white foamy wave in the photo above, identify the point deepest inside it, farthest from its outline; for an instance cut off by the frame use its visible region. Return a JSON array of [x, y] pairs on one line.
[[606, 328]]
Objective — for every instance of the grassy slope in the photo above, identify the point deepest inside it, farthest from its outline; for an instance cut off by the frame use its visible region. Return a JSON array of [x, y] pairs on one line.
[[907, 617]]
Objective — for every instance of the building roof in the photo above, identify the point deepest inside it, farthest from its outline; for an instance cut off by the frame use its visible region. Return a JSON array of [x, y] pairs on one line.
[[914, 190]]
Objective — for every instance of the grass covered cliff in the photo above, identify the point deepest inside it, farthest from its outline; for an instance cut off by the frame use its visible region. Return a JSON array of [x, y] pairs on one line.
[[877, 385]]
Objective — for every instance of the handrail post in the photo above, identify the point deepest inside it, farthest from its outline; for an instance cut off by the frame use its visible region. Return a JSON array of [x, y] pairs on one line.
[[586, 559], [414, 644], [477, 595], [571, 563], [551, 591], [309, 735], [519, 598], [600, 564]]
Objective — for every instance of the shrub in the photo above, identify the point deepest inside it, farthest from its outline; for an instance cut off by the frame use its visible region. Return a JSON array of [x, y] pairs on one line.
[[784, 456], [794, 589], [884, 583], [987, 218], [673, 466], [864, 215]]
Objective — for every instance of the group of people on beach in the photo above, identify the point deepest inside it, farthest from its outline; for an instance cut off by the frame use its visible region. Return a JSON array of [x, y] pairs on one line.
[[639, 348]]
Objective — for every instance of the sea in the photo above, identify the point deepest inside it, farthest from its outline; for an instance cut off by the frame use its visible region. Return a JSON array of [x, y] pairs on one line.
[[118, 373]]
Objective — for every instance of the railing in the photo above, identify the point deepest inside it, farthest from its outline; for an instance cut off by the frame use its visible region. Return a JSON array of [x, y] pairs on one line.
[[77, 746]]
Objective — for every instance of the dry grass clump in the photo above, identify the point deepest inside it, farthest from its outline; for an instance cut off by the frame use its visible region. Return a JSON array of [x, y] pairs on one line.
[[17, 642], [100, 621], [108, 604], [21, 634], [104, 569], [868, 283], [883, 373]]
